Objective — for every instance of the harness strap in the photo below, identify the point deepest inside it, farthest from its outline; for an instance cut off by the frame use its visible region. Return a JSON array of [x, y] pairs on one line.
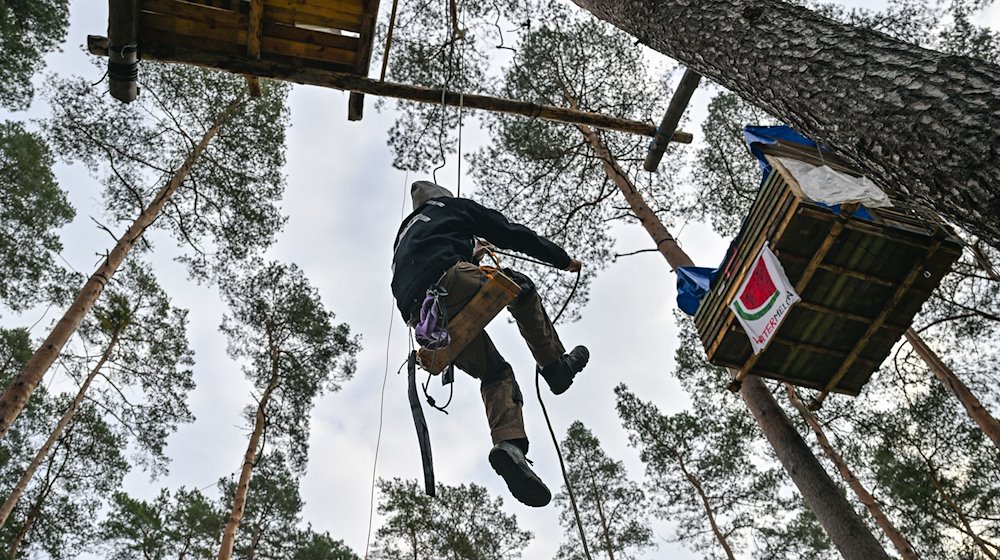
[[423, 434]]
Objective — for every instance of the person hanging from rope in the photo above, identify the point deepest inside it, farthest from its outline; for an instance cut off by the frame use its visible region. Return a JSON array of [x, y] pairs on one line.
[[434, 248]]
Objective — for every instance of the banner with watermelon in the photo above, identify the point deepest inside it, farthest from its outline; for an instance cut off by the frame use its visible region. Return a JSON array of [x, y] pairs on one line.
[[764, 299]]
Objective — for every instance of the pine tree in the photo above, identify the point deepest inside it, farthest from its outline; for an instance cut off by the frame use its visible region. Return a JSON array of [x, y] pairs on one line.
[[28, 30], [142, 349], [32, 208], [212, 156], [461, 523], [613, 508], [292, 352]]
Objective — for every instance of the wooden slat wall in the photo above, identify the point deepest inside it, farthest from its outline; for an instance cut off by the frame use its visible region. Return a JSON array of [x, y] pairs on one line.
[[222, 26]]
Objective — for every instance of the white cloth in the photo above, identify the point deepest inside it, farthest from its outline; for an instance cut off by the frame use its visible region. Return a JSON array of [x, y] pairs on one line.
[[822, 184]]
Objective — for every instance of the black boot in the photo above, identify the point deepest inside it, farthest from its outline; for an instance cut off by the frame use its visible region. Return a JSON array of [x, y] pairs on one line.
[[508, 461], [560, 373]]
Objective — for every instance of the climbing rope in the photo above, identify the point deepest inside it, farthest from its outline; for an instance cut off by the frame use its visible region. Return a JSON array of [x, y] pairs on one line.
[[545, 412], [385, 377], [562, 465]]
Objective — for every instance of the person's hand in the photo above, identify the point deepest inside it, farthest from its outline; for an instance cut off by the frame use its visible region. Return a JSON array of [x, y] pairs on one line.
[[574, 266], [479, 250]]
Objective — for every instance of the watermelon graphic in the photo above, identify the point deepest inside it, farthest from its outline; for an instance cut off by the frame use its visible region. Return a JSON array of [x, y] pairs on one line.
[[759, 295]]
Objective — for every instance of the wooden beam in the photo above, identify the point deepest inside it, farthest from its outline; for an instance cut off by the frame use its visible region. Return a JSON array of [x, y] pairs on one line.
[[349, 82], [255, 29], [123, 59], [356, 102], [840, 270], [678, 104]]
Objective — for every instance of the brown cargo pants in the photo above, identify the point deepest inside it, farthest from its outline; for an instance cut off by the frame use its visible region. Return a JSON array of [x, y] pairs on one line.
[[481, 360]]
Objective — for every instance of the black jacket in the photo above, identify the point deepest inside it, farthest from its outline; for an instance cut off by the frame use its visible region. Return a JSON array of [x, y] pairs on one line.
[[440, 233]]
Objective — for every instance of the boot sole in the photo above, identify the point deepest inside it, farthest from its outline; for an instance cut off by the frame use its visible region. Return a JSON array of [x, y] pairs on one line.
[[522, 483]]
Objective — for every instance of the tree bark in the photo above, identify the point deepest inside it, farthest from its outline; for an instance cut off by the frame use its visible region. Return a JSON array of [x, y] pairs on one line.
[[975, 409], [918, 122], [898, 540], [20, 389], [848, 533], [243, 486], [22, 484], [846, 530]]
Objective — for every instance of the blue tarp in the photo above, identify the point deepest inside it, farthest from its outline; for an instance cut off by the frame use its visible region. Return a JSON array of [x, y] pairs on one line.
[[754, 136], [694, 282]]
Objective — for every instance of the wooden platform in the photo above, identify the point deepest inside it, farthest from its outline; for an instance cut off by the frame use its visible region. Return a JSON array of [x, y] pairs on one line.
[[495, 294], [861, 284], [334, 35]]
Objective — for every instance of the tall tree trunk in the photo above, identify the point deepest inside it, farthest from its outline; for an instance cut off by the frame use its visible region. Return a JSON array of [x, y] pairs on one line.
[[605, 530], [709, 512], [848, 533], [22, 484], [15, 543], [20, 389], [898, 540], [846, 530], [35, 510], [243, 486], [918, 122], [975, 409]]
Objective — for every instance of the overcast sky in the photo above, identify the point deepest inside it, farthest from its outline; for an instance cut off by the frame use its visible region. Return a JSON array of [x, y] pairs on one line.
[[345, 201]]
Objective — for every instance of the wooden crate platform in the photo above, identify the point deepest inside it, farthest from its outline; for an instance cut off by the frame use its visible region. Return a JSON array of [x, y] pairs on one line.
[[861, 284]]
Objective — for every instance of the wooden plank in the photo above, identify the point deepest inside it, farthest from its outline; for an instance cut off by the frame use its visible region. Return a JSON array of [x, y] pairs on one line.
[[190, 10], [800, 286], [325, 8], [253, 84], [213, 35], [465, 326], [310, 37], [708, 314], [367, 36], [843, 271], [293, 17], [366, 39], [215, 18], [877, 323], [817, 308], [214, 25], [754, 248], [254, 31]]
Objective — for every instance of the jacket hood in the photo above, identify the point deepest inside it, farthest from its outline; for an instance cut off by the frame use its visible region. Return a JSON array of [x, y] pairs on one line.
[[422, 191]]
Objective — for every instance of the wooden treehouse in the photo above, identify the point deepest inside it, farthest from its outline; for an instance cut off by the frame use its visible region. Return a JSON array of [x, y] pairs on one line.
[[325, 43], [861, 282]]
